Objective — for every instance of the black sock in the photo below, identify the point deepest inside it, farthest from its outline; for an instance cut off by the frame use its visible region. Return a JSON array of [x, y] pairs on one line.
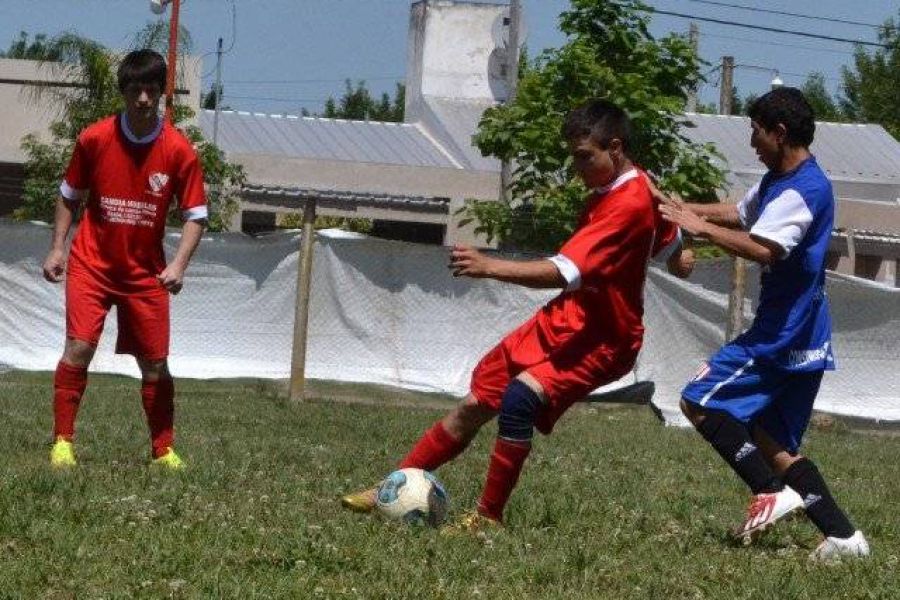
[[732, 441], [821, 508]]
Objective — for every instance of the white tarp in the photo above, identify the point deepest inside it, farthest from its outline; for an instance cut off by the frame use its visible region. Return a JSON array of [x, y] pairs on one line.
[[390, 313]]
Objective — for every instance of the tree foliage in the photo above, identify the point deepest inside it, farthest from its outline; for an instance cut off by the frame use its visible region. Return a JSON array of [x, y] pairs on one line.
[[611, 54], [94, 66], [824, 106], [872, 85], [358, 104], [36, 48]]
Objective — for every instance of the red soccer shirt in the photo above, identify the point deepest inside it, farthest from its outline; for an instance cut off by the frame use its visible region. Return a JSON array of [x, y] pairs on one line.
[[130, 184], [605, 263]]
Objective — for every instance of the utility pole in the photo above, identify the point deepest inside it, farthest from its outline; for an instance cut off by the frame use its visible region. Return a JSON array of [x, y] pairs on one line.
[[726, 87], [173, 59], [512, 82], [694, 39], [735, 323], [218, 92]]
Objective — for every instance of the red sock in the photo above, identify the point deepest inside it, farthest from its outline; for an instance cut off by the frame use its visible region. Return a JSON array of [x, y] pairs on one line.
[[68, 387], [503, 473], [434, 448], [158, 398]]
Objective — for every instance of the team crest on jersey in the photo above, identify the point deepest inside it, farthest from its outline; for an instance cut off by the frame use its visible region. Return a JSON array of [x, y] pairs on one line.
[[702, 372], [158, 181]]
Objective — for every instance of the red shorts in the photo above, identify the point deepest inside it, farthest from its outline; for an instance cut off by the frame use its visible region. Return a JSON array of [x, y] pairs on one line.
[[143, 319], [568, 372]]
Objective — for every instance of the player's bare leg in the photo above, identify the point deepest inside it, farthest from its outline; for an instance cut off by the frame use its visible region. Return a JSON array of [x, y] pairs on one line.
[[440, 444], [69, 383]]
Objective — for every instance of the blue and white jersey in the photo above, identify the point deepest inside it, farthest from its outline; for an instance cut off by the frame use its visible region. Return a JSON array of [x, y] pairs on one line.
[[792, 329]]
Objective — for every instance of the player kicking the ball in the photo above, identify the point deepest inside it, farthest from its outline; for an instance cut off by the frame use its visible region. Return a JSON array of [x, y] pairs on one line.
[[587, 336], [126, 168], [753, 399]]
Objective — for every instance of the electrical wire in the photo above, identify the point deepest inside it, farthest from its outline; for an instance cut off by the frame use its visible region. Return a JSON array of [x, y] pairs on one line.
[[787, 14]]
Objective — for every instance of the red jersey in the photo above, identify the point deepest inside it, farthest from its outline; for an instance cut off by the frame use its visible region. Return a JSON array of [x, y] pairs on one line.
[[605, 265], [129, 183]]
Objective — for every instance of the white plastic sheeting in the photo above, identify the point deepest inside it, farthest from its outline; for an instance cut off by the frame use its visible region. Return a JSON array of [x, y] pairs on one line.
[[390, 313]]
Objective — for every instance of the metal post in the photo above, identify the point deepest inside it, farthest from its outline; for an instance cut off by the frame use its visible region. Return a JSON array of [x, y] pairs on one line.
[[173, 59], [694, 39], [512, 82], [301, 312], [218, 89]]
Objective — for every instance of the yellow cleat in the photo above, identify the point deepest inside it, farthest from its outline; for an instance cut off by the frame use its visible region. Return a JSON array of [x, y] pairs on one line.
[[62, 454], [472, 523], [169, 460], [361, 502]]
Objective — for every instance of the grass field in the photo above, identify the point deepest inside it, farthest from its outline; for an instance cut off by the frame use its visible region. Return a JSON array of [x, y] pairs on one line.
[[613, 505]]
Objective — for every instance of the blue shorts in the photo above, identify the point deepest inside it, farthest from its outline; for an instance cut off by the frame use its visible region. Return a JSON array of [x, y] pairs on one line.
[[778, 401]]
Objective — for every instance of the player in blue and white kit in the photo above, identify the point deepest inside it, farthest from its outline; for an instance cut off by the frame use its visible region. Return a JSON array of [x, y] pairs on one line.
[[753, 399]]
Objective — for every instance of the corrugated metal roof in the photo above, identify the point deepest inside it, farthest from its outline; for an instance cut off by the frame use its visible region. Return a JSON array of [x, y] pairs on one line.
[[325, 139], [847, 151], [453, 123]]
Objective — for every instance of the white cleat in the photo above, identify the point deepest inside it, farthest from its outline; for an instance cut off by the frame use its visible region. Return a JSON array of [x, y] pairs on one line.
[[835, 548], [766, 510]]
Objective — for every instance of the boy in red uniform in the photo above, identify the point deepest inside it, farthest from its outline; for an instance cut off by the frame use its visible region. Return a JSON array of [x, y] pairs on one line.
[[587, 336], [126, 168]]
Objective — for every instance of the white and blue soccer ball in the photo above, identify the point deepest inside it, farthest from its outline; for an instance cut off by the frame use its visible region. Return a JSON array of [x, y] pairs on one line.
[[413, 496]]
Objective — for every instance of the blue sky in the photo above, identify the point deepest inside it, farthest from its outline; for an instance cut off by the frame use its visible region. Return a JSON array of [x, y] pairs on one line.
[[293, 54]]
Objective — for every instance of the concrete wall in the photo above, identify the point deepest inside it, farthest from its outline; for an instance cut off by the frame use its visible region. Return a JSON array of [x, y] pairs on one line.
[[23, 112], [455, 50]]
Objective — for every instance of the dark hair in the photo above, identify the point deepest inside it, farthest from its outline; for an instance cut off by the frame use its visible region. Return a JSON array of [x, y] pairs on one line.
[[789, 107], [142, 66], [601, 120]]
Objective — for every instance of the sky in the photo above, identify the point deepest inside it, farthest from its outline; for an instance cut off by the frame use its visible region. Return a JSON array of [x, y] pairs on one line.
[[287, 55]]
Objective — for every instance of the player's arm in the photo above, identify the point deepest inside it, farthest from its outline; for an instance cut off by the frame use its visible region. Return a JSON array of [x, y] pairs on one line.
[[469, 262], [55, 264], [172, 277], [725, 214], [736, 242]]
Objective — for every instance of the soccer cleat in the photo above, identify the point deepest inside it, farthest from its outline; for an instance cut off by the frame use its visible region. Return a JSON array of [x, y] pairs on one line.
[[62, 454], [361, 502], [169, 460], [835, 548], [766, 510], [472, 523]]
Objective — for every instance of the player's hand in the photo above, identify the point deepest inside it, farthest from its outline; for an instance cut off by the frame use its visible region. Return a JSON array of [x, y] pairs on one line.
[[172, 278], [466, 261], [682, 264], [55, 266], [677, 212]]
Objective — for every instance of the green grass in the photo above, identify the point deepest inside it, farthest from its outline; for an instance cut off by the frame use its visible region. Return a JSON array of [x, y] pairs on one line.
[[613, 505]]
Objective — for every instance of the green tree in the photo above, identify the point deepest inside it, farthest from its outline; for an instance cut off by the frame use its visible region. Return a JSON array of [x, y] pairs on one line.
[[358, 104], [824, 106], [35, 49], [94, 66], [871, 86], [610, 53]]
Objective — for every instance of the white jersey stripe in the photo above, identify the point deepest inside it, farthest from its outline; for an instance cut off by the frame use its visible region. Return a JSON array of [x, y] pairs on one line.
[[719, 385]]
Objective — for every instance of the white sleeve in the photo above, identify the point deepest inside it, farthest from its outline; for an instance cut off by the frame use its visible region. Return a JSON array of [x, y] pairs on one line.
[[569, 271], [198, 213], [748, 207], [71, 195], [665, 253], [784, 220]]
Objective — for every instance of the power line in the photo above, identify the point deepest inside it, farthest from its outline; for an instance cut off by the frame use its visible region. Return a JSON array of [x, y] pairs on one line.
[[298, 81], [763, 28], [788, 14], [768, 43]]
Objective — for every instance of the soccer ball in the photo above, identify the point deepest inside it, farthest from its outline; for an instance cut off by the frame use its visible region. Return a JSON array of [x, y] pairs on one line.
[[413, 496]]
